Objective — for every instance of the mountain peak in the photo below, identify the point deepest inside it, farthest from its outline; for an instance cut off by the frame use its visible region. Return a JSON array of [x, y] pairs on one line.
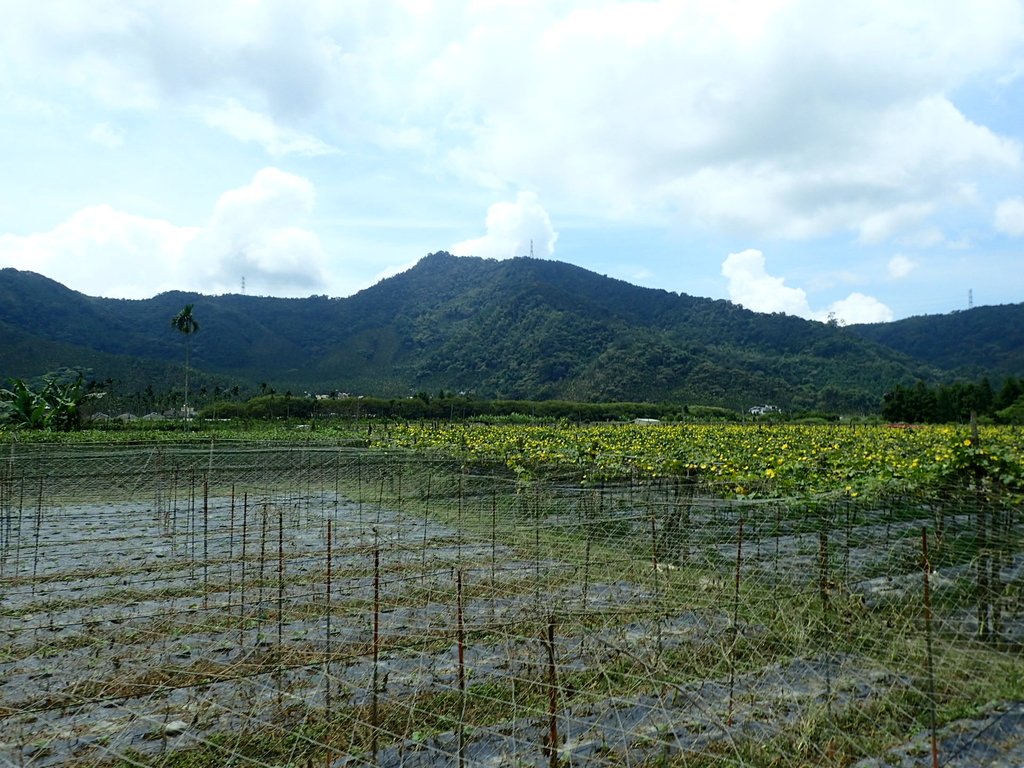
[[515, 328]]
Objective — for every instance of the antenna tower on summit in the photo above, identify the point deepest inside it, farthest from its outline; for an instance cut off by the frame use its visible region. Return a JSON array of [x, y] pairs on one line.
[[531, 247], [970, 298], [243, 285]]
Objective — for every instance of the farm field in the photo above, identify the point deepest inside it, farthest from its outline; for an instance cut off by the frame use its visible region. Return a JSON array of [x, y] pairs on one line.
[[515, 596], [744, 460]]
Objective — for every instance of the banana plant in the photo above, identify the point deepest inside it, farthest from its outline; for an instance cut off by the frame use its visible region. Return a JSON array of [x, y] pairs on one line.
[[56, 406], [23, 407]]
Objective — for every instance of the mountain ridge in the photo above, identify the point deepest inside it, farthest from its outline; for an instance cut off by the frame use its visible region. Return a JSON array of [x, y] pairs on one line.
[[517, 328]]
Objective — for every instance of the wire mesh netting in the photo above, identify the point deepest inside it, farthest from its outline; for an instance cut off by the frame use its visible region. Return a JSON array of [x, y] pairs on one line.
[[256, 604]]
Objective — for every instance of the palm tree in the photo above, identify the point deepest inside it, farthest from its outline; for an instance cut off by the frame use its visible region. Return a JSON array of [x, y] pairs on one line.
[[186, 323]]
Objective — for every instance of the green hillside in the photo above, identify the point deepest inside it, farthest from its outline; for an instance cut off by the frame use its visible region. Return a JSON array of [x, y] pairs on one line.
[[983, 341], [515, 329]]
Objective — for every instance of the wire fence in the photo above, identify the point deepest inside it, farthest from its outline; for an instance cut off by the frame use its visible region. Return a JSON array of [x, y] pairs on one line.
[[250, 604]]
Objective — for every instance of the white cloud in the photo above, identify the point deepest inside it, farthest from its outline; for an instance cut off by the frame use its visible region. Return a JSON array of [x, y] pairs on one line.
[[858, 308], [104, 252], [924, 238], [900, 266], [393, 270], [634, 274], [107, 135], [1010, 217], [805, 120], [882, 225], [147, 55], [792, 117], [271, 200], [513, 229], [872, 122], [254, 231], [248, 126], [752, 286]]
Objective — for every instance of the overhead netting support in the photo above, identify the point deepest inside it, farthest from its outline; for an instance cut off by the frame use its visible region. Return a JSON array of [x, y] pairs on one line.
[[261, 604]]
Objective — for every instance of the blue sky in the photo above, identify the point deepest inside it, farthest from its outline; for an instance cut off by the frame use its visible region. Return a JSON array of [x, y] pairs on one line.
[[862, 159]]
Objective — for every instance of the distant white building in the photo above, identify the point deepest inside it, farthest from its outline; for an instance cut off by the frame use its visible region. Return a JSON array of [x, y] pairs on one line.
[[763, 410], [180, 413]]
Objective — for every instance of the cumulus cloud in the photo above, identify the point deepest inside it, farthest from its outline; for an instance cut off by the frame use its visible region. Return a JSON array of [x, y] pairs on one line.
[[858, 308], [924, 238], [782, 118], [107, 135], [1010, 217], [900, 266], [752, 286], [270, 201], [104, 252], [882, 225], [154, 53], [249, 126], [513, 229], [255, 231], [792, 118]]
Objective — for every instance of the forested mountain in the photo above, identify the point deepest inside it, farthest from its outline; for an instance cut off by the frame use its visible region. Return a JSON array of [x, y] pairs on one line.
[[519, 328], [983, 341]]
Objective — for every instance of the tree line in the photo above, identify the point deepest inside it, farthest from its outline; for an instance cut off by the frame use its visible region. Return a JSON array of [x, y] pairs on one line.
[[439, 407], [955, 403]]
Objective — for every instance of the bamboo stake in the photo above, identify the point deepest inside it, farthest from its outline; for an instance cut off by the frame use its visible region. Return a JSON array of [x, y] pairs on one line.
[[39, 525], [264, 524], [21, 510], [926, 566], [192, 522], [735, 618], [174, 510], [823, 561], [5, 524], [494, 539], [280, 600], [376, 649], [231, 548], [657, 593], [551, 748], [327, 644], [206, 543], [458, 556], [588, 533], [423, 548], [241, 584], [461, 641]]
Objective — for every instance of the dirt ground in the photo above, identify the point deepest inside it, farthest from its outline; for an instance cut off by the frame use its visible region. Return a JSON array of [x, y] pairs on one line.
[[126, 629]]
